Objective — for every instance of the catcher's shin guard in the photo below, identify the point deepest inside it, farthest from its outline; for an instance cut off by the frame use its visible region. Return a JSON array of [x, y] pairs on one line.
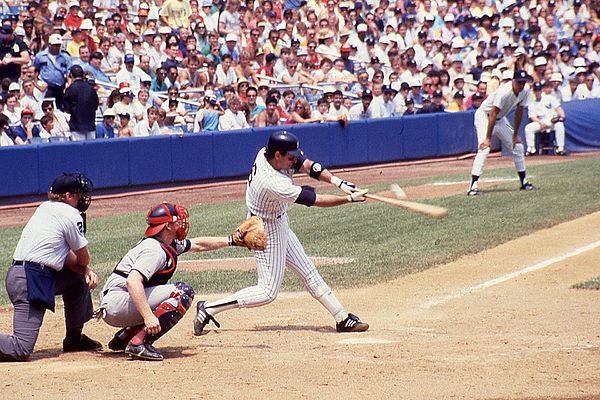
[[170, 311]]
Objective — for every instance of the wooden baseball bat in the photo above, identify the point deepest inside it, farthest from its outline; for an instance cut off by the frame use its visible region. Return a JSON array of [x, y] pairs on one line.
[[425, 209]]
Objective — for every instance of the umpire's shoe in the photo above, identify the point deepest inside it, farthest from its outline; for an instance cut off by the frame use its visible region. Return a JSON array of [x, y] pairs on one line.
[[351, 324], [202, 318], [144, 351], [83, 343]]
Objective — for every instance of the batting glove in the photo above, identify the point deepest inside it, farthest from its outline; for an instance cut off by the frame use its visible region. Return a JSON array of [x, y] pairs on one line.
[[358, 196], [346, 186]]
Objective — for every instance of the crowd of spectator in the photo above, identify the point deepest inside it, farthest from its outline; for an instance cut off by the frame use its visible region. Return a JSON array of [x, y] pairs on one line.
[[76, 70]]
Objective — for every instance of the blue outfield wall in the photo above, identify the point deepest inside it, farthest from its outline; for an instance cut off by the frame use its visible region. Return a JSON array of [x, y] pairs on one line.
[[136, 162]]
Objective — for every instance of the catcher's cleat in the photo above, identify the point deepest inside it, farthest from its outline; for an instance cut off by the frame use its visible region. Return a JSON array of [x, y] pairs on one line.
[[202, 319], [83, 344], [528, 186], [351, 324], [144, 351]]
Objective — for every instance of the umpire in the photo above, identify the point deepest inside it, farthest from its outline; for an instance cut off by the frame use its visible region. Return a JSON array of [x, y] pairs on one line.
[[52, 258]]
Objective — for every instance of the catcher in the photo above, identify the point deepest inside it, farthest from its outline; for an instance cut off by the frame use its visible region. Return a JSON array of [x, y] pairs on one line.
[[137, 296]]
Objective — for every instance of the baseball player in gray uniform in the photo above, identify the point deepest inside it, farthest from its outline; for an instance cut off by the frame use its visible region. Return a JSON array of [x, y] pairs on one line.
[[52, 258], [490, 119], [269, 190], [137, 296]]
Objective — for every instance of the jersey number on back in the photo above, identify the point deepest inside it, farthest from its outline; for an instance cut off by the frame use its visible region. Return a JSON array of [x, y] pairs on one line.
[[252, 173]]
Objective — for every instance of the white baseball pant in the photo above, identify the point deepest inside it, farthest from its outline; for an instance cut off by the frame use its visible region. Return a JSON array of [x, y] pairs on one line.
[[503, 131], [533, 127], [119, 310], [284, 249]]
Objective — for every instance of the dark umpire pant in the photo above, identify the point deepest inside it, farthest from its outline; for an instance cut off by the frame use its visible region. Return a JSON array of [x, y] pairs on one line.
[[58, 92], [28, 318]]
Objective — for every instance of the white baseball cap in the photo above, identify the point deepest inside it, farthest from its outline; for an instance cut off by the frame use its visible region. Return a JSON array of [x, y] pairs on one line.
[[507, 75], [520, 51], [164, 30], [579, 62], [556, 77], [458, 43], [55, 38], [539, 61], [231, 37], [580, 70], [14, 86], [488, 63], [415, 82], [109, 112], [449, 18], [86, 24]]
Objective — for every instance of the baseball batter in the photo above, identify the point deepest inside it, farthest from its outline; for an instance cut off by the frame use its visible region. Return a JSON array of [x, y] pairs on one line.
[[137, 295], [490, 119], [52, 258], [269, 190]]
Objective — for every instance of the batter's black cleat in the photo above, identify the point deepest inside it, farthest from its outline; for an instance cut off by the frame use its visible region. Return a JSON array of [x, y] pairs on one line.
[[528, 186], [144, 351], [351, 324], [83, 344], [202, 319]]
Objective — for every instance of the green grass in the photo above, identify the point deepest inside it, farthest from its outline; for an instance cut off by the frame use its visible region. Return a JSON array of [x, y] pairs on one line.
[[386, 242], [592, 284]]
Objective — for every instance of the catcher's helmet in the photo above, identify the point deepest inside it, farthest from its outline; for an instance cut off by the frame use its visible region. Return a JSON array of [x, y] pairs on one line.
[[165, 212], [284, 142], [74, 183]]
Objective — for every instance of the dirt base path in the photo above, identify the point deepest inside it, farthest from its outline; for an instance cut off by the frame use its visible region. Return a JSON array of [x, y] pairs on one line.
[[465, 330]]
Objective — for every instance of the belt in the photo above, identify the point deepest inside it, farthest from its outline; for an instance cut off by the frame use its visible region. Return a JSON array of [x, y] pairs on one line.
[[17, 262], [277, 217]]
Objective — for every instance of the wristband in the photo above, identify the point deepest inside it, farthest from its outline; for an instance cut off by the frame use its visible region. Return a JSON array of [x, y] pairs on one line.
[[336, 181], [315, 170], [230, 241]]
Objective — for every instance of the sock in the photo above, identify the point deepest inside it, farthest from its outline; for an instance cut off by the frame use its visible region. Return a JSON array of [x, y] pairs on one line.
[[333, 305], [217, 307], [474, 179], [139, 337], [523, 177]]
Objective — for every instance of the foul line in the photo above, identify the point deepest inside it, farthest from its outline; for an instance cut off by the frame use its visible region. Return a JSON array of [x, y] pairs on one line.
[[504, 278]]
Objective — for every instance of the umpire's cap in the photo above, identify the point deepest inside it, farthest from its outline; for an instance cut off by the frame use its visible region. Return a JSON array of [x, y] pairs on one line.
[[71, 183], [284, 142]]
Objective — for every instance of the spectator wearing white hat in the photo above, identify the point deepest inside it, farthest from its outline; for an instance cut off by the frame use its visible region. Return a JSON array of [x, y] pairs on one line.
[[54, 65], [586, 90], [231, 47], [539, 68], [106, 129]]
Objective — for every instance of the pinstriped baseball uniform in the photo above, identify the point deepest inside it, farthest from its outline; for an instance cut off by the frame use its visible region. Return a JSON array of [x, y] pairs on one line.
[[268, 193], [505, 100]]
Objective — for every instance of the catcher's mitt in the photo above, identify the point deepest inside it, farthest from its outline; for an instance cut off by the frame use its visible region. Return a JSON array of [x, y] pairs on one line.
[[250, 234]]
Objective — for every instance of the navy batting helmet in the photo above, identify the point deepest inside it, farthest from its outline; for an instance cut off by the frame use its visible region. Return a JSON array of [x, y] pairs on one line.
[[284, 142], [161, 214]]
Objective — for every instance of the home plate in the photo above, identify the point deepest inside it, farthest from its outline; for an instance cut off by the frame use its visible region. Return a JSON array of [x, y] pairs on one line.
[[366, 341]]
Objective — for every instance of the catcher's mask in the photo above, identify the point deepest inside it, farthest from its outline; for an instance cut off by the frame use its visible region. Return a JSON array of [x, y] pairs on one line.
[[74, 183], [165, 212]]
